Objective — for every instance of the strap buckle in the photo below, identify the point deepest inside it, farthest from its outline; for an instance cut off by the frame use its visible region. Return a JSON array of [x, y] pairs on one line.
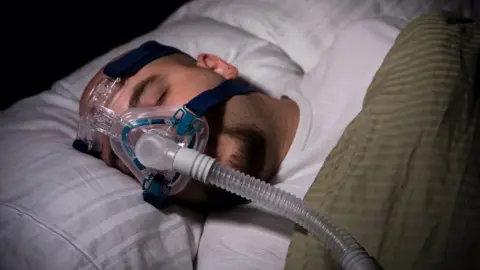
[[186, 122]]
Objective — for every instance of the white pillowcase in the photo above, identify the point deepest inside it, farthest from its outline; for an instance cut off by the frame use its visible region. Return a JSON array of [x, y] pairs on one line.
[[60, 209]]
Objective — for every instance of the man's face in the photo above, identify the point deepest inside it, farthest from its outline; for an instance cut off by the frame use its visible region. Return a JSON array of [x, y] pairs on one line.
[[174, 80]]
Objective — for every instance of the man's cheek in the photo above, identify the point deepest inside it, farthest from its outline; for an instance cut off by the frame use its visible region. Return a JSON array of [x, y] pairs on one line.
[[226, 147]]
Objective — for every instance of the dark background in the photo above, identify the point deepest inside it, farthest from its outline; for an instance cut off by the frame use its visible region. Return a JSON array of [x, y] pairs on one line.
[[43, 41]]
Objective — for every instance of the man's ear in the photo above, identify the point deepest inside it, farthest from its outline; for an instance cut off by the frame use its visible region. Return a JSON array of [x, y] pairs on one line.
[[218, 65]]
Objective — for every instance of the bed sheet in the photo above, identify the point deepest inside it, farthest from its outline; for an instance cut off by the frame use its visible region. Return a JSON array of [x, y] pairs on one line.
[[60, 209]]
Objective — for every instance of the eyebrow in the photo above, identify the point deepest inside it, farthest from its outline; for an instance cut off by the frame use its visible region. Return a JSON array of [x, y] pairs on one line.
[[139, 90]]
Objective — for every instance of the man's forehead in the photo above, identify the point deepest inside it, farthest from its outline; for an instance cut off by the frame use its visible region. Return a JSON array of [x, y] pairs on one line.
[[131, 90], [87, 91], [127, 84]]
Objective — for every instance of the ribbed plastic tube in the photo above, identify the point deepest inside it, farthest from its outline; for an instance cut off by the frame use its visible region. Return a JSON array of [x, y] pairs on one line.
[[163, 154], [353, 256]]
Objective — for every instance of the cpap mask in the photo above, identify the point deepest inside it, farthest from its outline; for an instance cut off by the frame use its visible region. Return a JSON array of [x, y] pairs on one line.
[[183, 124], [162, 146]]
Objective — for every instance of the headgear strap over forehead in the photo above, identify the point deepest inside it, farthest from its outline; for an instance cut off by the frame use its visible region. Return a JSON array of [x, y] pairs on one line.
[[129, 64]]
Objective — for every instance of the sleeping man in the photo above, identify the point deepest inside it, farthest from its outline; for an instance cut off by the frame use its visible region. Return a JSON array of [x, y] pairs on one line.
[[244, 132], [283, 141]]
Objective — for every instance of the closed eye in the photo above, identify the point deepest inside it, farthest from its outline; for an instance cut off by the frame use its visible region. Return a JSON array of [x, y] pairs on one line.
[[161, 98], [153, 91]]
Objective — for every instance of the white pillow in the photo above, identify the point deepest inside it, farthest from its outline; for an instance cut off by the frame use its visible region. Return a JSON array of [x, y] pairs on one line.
[[60, 209], [304, 29]]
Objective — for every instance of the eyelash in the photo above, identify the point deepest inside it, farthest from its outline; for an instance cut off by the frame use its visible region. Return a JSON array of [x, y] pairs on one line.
[[161, 98]]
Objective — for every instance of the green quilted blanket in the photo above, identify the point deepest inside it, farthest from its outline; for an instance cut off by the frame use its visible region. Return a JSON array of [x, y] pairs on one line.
[[404, 177]]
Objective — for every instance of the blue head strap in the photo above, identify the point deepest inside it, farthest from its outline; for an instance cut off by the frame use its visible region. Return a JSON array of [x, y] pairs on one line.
[[129, 64]]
